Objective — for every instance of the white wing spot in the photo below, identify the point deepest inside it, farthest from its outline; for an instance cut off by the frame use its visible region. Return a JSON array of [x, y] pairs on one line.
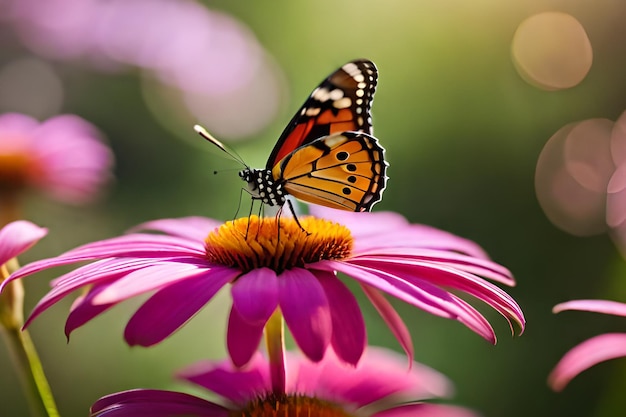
[[342, 103], [359, 93], [320, 94], [336, 94], [350, 67], [359, 78], [312, 111]]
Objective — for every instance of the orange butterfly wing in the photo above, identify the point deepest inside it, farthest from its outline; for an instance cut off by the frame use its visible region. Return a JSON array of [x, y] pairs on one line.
[[345, 171], [342, 102]]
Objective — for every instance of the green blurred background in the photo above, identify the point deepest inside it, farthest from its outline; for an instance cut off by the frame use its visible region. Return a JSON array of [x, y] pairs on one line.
[[463, 132]]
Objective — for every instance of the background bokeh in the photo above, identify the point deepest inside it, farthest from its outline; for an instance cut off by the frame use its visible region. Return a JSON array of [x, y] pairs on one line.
[[461, 117]]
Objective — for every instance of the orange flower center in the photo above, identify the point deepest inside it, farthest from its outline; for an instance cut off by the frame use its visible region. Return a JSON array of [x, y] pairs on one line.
[[15, 170], [290, 406], [256, 242]]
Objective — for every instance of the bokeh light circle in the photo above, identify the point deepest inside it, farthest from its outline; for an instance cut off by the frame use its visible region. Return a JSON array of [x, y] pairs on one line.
[[572, 174], [30, 86], [552, 51]]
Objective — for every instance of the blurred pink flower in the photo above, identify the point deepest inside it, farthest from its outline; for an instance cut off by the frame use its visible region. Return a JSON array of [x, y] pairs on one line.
[[592, 351], [278, 266], [17, 237], [62, 156], [205, 55], [326, 388]]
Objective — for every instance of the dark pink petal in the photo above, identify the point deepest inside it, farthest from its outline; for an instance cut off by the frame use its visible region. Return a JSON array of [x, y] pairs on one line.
[[475, 321], [155, 246], [585, 355], [426, 410], [98, 272], [242, 338], [444, 276], [155, 403], [83, 310], [306, 311], [171, 307], [192, 228], [255, 295], [349, 338], [392, 318], [235, 384], [477, 266], [153, 277], [428, 297], [596, 306], [17, 237]]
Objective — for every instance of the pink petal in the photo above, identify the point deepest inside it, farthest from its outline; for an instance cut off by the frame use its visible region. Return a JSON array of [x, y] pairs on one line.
[[152, 277], [155, 246], [255, 295], [419, 237], [475, 321], [348, 338], [596, 306], [97, 272], [362, 224], [306, 311], [192, 228], [155, 403], [429, 298], [171, 307], [477, 266], [380, 374], [242, 338], [585, 355], [235, 384], [83, 310], [17, 237], [392, 318], [444, 276], [16, 124], [426, 410]]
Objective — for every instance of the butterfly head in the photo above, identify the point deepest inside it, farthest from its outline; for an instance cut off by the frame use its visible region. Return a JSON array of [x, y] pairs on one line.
[[262, 186]]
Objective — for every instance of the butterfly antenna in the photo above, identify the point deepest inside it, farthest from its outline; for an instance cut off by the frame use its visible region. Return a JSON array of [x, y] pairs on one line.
[[206, 135]]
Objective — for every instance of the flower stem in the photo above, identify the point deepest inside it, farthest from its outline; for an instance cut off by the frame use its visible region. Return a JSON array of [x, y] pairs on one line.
[[22, 349], [275, 341], [34, 382]]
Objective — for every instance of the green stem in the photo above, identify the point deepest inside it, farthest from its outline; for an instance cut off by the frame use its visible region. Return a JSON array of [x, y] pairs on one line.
[[28, 366], [275, 341], [22, 349]]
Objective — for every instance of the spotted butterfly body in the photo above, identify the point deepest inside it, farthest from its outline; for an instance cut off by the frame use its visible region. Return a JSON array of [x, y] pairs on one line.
[[327, 154]]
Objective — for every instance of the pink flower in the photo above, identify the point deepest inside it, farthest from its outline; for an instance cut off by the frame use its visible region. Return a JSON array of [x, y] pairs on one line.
[[279, 266], [326, 388], [62, 156], [592, 351], [17, 237]]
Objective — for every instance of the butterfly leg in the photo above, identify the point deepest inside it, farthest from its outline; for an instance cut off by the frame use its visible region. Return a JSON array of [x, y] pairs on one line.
[[295, 217]]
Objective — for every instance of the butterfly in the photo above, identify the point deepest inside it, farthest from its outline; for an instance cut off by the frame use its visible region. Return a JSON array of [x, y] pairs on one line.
[[327, 154]]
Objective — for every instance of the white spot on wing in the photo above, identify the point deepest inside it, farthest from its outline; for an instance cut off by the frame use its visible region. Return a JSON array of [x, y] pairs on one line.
[[342, 103]]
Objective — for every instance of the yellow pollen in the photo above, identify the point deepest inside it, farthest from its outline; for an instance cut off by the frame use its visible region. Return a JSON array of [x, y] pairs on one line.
[[256, 242], [290, 406]]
